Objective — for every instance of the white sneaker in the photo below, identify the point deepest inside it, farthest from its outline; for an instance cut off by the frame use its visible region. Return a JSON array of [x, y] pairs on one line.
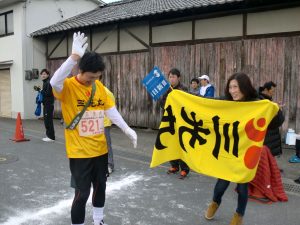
[[46, 139]]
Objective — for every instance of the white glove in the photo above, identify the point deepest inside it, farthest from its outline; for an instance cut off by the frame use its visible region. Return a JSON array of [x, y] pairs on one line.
[[132, 136], [79, 44]]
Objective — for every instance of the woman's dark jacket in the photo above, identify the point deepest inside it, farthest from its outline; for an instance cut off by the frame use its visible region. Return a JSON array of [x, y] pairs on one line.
[[273, 137], [48, 97]]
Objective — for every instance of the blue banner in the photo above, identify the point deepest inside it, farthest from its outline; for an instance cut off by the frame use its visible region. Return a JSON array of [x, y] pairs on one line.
[[156, 83]]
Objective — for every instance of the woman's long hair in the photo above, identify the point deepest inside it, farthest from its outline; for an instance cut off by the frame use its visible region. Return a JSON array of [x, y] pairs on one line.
[[245, 86]]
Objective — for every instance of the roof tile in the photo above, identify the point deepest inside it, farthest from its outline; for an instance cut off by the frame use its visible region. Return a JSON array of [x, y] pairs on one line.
[[127, 9]]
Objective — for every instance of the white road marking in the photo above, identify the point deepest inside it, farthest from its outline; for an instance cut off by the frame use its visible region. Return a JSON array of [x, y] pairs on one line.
[[61, 207]]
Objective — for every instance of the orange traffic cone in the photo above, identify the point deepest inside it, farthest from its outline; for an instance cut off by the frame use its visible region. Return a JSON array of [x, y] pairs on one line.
[[19, 134]]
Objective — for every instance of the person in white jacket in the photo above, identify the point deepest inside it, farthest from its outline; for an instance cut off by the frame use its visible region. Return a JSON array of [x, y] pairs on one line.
[[84, 104]]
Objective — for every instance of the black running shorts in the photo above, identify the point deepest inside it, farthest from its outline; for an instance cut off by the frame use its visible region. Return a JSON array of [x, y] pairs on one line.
[[85, 171]]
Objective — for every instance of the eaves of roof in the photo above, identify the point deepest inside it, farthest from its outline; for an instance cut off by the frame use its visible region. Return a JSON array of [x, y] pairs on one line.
[[128, 9]]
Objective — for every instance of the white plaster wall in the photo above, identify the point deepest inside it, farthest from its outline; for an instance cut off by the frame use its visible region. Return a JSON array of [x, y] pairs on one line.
[[284, 20], [39, 52], [128, 43], [11, 49], [35, 59], [110, 44], [44, 13], [173, 32], [26, 53], [61, 50], [40, 14], [228, 26]]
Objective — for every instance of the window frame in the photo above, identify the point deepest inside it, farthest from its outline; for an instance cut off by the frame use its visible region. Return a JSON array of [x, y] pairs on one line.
[[5, 23]]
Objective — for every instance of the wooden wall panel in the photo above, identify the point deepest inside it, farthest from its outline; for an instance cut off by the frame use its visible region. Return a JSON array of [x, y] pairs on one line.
[[179, 57], [277, 59], [297, 82], [293, 76], [218, 60], [265, 59], [123, 76]]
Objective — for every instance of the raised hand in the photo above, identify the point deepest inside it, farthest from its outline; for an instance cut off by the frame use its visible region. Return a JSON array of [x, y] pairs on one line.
[[79, 44]]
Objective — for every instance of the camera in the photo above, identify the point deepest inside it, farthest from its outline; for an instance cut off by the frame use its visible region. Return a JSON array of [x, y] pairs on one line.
[[36, 88]]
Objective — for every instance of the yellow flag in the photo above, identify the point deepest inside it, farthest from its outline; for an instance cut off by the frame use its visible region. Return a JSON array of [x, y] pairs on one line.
[[217, 138]]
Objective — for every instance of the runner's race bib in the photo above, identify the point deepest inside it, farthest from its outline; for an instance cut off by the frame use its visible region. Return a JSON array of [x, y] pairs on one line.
[[91, 123]]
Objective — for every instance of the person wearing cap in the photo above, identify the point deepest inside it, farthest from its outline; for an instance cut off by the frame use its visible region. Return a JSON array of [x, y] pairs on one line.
[[206, 89]]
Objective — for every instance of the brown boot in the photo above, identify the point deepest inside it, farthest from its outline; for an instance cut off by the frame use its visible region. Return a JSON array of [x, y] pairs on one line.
[[211, 210], [237, 219]]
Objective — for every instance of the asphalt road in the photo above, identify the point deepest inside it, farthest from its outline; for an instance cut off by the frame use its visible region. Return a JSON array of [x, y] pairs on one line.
[[34, 186]]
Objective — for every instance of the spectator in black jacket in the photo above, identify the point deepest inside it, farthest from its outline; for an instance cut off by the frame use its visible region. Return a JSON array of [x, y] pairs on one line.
[[273, 136], [267, 91], [48, 106], [174, 79]]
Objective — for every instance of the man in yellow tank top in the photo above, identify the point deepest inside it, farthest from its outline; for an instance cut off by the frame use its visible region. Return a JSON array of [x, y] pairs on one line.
[[84, 103]]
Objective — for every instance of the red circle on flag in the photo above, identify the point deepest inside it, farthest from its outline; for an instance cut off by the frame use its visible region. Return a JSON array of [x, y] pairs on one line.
[[252, 156]]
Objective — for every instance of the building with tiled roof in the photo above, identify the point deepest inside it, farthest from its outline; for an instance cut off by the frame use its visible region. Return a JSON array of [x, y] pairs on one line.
[[214, 37], [18, 56], [133, 9]]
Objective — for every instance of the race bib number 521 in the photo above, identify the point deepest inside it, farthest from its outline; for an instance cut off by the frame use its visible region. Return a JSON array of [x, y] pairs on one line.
[[91, 123]]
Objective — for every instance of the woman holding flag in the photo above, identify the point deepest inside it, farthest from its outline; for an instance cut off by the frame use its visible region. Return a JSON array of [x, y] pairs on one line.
[[238, 88]]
